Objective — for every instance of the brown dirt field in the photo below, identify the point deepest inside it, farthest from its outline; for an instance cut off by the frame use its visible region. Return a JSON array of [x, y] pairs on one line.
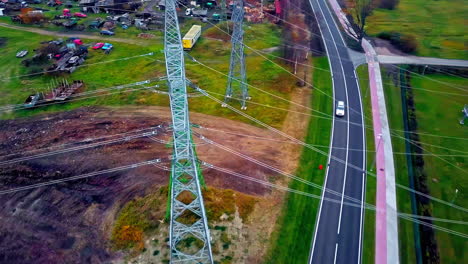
[[71, 222]]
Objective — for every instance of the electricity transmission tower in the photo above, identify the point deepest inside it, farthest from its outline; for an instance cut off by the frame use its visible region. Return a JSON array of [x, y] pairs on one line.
[[188, 217], [237, 81]]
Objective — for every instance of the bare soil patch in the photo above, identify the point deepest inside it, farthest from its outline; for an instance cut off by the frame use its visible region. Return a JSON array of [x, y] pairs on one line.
[[71, 222]]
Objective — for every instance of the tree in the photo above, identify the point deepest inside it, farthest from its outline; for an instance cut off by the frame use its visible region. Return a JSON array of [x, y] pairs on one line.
[[361, 10]]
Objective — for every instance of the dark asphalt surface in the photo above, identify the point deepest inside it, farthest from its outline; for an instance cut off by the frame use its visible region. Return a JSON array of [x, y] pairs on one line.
[[339, 228]]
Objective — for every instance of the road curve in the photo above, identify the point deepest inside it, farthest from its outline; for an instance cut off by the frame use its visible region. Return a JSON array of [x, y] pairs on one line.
[[339, 229]]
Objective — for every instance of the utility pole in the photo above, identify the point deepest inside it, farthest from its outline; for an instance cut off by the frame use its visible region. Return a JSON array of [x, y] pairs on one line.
[[237, 80], [188, 218]]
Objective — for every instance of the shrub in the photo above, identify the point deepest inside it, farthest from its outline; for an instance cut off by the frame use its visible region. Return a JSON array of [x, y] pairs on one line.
[[128, 237], [388, 4], [406, 43], [3, 41]]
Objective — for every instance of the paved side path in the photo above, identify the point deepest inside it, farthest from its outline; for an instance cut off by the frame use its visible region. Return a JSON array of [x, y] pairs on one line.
[[386, 224], [395, 59], [342, 18]]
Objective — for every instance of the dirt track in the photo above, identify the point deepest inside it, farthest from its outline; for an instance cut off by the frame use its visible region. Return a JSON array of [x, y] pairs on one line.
[[72, 34]]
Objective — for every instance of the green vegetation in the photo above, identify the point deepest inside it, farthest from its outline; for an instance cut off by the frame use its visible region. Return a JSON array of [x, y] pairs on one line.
[[14, 89], [439, 26], [210, 52], [437, 114], [226, 201], [395, 118], [369, 217], [291, 240], [137, 217]]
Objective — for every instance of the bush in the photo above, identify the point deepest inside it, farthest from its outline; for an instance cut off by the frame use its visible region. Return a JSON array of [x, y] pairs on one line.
[[3, 41], [388, 4], [406, 43]]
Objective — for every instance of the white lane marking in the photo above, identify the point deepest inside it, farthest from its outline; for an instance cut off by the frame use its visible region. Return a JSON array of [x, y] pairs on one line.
[[336, 251], [363, 191], [347, 142], [363, 153], [317, 221], [347, 117]]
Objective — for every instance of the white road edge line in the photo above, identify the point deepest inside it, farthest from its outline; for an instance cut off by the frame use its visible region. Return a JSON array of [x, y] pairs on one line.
[[364, 147], [364, 160], [347, 118], [317, 221]]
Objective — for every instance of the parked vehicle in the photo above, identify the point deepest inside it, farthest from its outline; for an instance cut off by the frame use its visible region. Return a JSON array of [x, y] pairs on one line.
[[191, 37], [107, 32], [73, 59], [216, 17], [78, 41], [107, 46], [98, 45], [66, 13], [21, 53], [196, 12], [340, 109], [78, 14], [96, 24], [32, 100]]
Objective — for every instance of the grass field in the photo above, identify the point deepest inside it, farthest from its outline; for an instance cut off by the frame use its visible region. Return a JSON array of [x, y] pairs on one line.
[[260, 73], [395, 119], [436, 115], [438, 26], [368, 249], [15, 89], [439, 115], [291, 240]]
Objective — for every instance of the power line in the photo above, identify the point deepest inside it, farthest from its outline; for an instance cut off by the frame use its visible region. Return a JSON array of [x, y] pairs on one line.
[[85, 141], [318, 150], [432, 79], [403, 86], [204, 92], [79, 66], [329, 117], [78, 177], [328, 199], [76, 148], [321, 146], [326, 116], [78, 96], [282, 172]]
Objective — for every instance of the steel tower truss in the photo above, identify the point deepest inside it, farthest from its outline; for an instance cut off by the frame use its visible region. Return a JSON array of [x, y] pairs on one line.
[[237, 81], [188, 217]]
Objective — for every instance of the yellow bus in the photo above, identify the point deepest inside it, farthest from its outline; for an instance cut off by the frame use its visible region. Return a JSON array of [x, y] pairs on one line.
[[191, 37]]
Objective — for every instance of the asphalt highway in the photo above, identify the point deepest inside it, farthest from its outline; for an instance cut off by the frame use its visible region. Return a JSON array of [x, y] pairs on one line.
[[339, 228]]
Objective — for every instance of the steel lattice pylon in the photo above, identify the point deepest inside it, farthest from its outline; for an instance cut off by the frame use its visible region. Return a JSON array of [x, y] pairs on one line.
[[184, 170], [237, 81]]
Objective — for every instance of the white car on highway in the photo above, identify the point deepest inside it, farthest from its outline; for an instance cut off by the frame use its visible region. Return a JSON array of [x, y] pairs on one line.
[[340, 109]]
